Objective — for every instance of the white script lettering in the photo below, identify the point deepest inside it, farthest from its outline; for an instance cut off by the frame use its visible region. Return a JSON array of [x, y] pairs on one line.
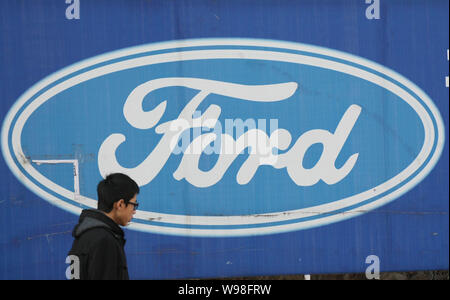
[[262, 147]]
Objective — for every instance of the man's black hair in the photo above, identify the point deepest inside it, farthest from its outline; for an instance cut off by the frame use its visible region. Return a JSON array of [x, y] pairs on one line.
[[113, 188]]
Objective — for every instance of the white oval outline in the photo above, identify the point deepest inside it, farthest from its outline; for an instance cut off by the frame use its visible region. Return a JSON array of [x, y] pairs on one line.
[[239, 53]]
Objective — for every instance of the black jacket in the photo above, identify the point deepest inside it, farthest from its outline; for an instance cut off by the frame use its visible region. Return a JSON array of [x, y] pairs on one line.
[[99, 244]]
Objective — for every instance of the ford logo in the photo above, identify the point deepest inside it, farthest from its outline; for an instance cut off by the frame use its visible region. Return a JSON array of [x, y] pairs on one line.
[[226, 137]]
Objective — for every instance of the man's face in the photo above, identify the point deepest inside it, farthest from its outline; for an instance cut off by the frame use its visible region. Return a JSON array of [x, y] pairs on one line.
[[127, 211]]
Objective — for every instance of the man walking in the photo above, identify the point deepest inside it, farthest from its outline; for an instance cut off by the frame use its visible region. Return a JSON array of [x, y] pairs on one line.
[[99, 241]]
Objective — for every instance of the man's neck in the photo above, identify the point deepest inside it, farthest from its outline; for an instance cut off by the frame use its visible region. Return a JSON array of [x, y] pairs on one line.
[[111, 215]]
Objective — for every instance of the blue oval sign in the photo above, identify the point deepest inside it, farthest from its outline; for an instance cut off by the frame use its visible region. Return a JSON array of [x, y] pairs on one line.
[[226, 137]]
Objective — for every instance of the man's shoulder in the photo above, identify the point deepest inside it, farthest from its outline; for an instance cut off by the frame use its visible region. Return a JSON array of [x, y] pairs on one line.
[[98, 235]]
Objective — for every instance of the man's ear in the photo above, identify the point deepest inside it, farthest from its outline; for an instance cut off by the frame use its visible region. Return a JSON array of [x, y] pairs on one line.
[[119, 204]]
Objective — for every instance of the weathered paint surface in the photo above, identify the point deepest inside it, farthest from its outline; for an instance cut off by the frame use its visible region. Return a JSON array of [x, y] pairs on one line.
[[339, 133]]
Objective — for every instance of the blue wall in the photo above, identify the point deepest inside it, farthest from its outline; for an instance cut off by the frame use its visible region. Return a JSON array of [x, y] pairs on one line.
[[408, 233]]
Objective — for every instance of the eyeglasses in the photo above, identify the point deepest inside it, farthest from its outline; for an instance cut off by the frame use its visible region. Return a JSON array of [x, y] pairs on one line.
[[136, 205]]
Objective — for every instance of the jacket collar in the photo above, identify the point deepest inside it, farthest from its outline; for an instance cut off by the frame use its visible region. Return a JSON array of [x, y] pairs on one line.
[[93, 218]]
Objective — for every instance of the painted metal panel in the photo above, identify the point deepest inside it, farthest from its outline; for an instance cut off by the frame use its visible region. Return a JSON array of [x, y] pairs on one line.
[[267, 137]]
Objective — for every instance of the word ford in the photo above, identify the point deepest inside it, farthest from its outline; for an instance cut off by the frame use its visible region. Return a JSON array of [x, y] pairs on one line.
[[188, 168]]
